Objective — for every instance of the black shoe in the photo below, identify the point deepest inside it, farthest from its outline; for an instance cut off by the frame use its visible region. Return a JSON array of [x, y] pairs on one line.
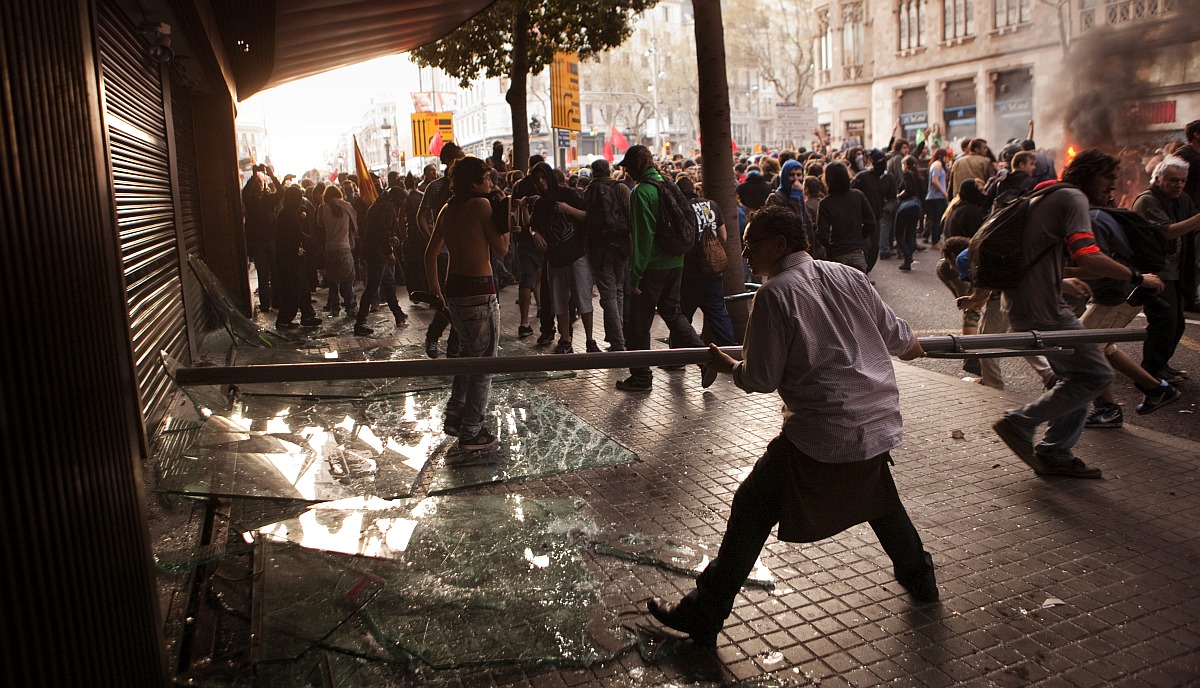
[[350, 312], [480, 441], [923, 589], [1171, 375], [285, 325], [1070, 469], [452, 425], [630, 384], [686, 617], [362, 330], [524, 331], [545, 338], [906, 266], [886, 254], [1158, 397], [708, 375], [1020, 442], [431, 348], [592, 347], [564, 347], [972, 366], [401, 318], [310, 322]]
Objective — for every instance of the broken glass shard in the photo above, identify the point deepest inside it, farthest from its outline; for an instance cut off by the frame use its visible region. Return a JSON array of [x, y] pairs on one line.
[[680, 554], [536, 436], [467, 581], [240, 328]]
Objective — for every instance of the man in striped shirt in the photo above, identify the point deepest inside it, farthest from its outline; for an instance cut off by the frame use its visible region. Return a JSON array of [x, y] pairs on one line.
[[821, 337]]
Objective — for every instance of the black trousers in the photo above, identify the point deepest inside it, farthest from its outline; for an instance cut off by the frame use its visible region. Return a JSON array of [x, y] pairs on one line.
[[659, 293], [381, 281], [441, 319], [1164, 327], [756, 511], [291, 289]]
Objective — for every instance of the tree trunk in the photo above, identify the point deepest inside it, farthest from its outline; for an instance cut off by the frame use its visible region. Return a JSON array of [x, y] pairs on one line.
[[518, 91], [716, 147]]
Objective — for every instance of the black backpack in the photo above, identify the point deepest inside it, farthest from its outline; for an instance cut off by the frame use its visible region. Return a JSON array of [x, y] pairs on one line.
[[677, 225], [607, 217], [997, 249], [1149, 245]]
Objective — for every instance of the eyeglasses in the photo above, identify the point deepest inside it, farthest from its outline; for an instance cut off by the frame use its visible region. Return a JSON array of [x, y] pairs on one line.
[[752, 242]]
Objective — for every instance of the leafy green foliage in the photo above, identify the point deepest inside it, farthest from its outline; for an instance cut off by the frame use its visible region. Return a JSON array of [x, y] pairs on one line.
[[483, 45]]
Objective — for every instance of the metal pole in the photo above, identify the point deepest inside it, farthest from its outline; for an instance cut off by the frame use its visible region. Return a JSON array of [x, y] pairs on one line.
[[1032, 342]]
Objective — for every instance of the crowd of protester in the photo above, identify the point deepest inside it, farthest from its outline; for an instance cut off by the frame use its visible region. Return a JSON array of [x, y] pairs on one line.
[[588, 231]]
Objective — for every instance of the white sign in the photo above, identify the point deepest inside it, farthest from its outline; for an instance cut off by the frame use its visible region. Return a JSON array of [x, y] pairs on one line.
[[794, 123]]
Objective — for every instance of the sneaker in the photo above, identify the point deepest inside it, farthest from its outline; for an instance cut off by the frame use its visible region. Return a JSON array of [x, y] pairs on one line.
[[362, 330], [592, 347], [545, 338], [480, 441], [564, 347], [1172, 376], [1073, 468], [524, 331], [630, 384], [311, 322], [906, 266], [452, 425], [401, 318], [351, 312], [431, 348], [1019, 440], [1105, 416], [285, 325], [1158, 397]]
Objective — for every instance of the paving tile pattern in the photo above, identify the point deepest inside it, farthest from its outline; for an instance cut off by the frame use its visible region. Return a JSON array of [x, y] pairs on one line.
[[1122, 554]]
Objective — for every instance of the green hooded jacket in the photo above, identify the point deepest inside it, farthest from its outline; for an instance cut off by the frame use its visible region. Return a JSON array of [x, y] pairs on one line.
[[643, 220]]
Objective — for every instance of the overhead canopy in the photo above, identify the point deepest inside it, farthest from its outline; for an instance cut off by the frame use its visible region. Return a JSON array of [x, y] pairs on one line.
[[272, 42]]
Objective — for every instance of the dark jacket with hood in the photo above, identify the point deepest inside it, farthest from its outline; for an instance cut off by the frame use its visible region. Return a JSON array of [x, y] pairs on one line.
[[968, 213]]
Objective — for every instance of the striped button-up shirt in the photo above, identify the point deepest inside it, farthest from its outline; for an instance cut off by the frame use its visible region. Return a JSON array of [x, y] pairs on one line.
[[820, 335]]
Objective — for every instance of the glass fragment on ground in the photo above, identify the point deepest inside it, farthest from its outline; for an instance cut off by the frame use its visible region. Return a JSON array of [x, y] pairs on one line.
[[681, 554], [452, 582], [240, 328], [296, 449]]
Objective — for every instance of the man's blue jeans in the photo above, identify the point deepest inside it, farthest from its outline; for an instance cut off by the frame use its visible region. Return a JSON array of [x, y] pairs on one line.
[[610, 271], [1082, 376], [476, 320], [708, 294]]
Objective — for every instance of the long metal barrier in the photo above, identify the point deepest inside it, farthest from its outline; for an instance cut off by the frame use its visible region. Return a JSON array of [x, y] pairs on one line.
[[957, 346]]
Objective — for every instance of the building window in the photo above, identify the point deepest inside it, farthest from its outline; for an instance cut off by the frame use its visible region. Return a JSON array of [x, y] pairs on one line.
[[852, 40], [959, 19], [824, 46], [1010, 13], [911, 14]]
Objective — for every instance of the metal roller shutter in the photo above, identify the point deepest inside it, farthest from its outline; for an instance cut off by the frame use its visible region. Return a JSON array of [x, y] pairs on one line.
[[187, 192], [137, 137]]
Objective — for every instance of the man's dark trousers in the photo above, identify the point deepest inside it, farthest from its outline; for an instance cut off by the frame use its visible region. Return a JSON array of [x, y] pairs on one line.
[[659, 292]]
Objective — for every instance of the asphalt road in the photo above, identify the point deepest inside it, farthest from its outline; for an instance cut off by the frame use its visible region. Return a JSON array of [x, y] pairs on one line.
[[921, 299]]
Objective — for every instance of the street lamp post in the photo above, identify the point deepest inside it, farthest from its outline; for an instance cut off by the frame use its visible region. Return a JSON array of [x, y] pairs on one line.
[[652, 53], [387, 143]]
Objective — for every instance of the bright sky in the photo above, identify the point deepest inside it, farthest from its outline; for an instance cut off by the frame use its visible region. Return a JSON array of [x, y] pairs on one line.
[[305, 117]]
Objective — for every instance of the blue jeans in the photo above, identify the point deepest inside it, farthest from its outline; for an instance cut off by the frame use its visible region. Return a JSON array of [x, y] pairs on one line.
[[476, 320], [1082, 376], [609, 270], [707, 294]]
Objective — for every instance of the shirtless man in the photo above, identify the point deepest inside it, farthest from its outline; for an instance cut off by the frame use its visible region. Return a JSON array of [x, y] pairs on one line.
[[466, 229]]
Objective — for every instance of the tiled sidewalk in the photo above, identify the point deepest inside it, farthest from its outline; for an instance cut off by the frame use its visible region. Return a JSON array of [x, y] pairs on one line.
[[1121, 556]]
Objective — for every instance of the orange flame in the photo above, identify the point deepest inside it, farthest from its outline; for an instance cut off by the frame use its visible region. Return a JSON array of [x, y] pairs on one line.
[[1071, 153]]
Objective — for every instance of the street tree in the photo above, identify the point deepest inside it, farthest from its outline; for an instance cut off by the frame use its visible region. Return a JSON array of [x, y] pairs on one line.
[[774, 39], [519, 38]]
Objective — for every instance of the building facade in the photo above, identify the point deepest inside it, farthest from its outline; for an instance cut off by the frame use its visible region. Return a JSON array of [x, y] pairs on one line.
[[976, 67]]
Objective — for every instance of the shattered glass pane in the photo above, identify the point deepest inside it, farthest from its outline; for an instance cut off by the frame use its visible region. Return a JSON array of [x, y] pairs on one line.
[[471, 581], [289, 448], [241, 328], [208, 399], [293, 449], [536, 436], [673, 553], [184, 559]]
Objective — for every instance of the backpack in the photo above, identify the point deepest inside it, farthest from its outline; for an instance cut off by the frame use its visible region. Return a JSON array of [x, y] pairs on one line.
[[677, 225], [997, 249], [1149, 246], [607, 217]]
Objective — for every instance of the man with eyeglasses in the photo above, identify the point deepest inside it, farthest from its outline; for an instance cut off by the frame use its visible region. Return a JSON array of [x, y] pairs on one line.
[[820, 336], [1168, 207]]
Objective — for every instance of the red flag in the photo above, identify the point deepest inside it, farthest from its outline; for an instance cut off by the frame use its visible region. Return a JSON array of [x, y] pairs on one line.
[[608, 151], [435, 143], [619, 142], [366, 185], [333, 176], [735, 148]]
